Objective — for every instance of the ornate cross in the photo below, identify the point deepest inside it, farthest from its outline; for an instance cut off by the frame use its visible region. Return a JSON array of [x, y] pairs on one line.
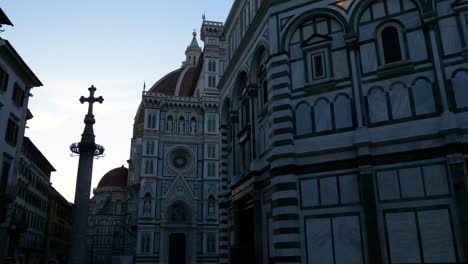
[[91, 99]]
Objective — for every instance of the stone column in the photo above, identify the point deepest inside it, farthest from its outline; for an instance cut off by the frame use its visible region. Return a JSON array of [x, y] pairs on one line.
[[87, 149], [81, 207]]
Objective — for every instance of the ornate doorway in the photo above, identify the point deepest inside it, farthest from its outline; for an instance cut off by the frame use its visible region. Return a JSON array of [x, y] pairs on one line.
[[177, 248]]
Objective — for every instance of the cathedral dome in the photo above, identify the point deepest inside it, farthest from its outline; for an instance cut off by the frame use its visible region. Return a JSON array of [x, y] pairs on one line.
[[176, 83], [180, 82], [114, 178]]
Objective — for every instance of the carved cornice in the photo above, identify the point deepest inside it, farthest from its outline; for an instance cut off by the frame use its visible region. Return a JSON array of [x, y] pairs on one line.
[[159, 100]]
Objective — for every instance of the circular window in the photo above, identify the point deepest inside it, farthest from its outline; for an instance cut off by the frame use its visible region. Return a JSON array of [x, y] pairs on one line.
[[180, 159]]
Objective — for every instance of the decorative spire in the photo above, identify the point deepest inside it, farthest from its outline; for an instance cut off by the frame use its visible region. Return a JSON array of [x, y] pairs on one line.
[[194, 43], [192, 52], [144, 86]]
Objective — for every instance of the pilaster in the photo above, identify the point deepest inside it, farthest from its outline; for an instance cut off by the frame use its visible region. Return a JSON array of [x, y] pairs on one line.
[[284, 200], [458, 173]]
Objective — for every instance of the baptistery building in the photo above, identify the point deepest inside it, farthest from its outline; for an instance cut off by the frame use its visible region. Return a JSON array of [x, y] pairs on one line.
[[344, 132]]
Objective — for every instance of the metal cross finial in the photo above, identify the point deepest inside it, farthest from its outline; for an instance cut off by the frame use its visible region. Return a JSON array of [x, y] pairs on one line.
[[91, 99]]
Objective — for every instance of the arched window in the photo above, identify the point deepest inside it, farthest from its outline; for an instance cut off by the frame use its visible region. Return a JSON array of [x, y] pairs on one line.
[[211, 206], [152, 147], [147, 204], [391, 44], [149, 166], [150, 121], [153, 121]]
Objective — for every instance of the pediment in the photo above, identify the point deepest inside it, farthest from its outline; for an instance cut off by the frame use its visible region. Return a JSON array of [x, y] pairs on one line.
[[316, 39], [179, 190]]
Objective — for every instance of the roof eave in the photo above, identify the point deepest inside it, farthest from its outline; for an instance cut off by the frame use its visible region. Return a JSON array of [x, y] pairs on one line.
[[4, 20], [20, 66]]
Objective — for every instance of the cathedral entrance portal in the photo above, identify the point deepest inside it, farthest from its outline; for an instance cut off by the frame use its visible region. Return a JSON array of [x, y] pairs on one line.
[[177, 247]]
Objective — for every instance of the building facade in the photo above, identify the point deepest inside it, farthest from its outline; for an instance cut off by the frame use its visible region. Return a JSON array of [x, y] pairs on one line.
[[16, 82], [309, 132], [58, 228], [30, 204], [174, 164], [343, 130]]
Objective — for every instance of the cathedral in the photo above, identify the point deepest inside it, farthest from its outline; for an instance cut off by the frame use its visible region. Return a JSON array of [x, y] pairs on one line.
[[164, 208], [330, 131]]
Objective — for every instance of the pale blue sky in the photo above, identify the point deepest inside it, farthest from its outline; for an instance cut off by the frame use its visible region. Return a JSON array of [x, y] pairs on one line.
[[115, 45]]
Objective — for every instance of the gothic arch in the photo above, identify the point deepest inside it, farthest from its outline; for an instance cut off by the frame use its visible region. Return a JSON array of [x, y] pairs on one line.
[[303, 17]]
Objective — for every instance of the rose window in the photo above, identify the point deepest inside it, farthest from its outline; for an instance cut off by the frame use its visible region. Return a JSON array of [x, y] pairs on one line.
[[180, 159]]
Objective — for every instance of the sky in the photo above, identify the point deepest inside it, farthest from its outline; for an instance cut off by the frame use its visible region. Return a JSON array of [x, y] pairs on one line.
[[116, 46]]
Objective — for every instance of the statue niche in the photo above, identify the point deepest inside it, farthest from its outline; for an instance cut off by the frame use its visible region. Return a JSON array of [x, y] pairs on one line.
[[181, 125], [147, 205], [193, 126], [179, 213]]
